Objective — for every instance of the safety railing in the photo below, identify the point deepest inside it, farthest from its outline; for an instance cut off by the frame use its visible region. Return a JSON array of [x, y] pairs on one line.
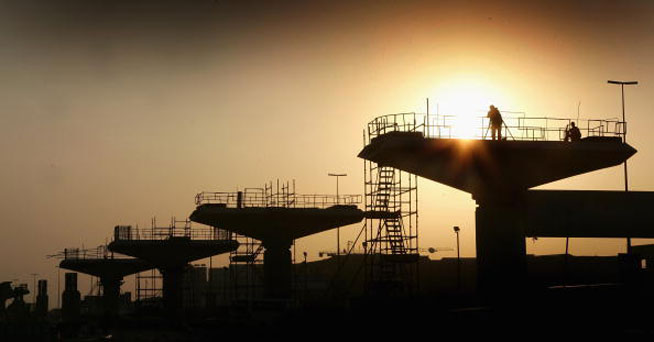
[[100, 252], [244, 199], [165, 233], [515, 126]]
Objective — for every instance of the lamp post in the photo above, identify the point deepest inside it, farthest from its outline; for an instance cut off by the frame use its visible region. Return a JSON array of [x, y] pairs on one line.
[[624, 139], [338, 229], [306, 275], [458, 258]]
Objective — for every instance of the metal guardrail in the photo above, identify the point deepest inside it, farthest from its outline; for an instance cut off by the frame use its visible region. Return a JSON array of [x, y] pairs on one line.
[[244, 199], [165, 233], [516, 126], [100, 252]]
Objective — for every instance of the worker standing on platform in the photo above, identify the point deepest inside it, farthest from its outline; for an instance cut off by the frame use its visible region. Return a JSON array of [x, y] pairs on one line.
[[495, 122], [572, 133]]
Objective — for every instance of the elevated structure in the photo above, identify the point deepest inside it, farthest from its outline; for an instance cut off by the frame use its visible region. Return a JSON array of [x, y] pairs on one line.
[[602, 214], [496, 173], [110, 269], [170, 249], [276, 219]]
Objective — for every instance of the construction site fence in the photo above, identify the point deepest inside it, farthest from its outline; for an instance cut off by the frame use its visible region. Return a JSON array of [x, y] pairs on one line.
[[262, 200], [515, 126]]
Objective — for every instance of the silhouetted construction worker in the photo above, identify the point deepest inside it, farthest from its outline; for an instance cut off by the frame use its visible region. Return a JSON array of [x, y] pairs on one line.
[[495, 122], [572, 133]]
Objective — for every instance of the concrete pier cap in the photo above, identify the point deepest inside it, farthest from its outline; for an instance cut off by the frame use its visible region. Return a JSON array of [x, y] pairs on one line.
[[111, 272], [276, 223], [169, 249], [497, 173]]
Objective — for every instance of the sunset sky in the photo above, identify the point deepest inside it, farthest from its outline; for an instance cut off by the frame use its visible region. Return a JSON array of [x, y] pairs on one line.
[[113, 112]]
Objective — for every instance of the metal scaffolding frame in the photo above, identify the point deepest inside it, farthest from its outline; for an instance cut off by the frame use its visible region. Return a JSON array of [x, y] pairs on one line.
[[245, 268], [391, 228], [148, 286]]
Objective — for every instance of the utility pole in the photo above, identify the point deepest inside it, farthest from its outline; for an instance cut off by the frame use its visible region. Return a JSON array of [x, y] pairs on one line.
[[338, 233], [306, 275], [427, 121], [458, 258], [624, 140]]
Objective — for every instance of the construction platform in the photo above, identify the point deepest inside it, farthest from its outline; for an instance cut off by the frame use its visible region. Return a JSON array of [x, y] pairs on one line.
[[111, 270], [498, 173], [170, 249], [479, 164], [276, 219]]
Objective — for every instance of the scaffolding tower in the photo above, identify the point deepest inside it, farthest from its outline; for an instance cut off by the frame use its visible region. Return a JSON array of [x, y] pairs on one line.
[[245, 267], [149, 286], [391, 227]]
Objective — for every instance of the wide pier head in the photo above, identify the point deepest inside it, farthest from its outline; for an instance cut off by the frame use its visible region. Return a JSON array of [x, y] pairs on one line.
[[276, 224], [111, 273], [498, 174], [170, 249], [490, 168]]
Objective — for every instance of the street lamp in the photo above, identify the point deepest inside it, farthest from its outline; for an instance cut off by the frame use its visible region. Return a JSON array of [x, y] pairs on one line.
[[306, 274], [624, 135], [338, 229], [458, 258]]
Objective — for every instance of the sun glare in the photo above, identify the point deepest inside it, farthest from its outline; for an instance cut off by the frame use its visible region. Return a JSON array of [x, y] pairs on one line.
[[462, 104]]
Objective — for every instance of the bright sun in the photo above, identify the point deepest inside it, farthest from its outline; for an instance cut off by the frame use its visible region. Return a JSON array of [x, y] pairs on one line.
[[463, 103]]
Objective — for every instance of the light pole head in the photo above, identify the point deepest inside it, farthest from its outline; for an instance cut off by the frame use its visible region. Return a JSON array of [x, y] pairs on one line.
[[622, 82], [456, 229], [337, 174]]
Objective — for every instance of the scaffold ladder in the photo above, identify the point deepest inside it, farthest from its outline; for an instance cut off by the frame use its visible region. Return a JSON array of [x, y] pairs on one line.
[[391, 243]]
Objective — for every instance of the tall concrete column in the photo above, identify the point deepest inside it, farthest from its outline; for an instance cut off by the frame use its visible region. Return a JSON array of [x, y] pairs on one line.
[[42, 298], [71, 299], [172, 290], [501, 252], [110, 298], [277, 266]]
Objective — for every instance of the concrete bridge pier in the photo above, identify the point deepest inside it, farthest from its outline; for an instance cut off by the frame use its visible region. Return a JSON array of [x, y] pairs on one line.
[[172, 289], [501, 251], [110, 298], [277, 264]]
